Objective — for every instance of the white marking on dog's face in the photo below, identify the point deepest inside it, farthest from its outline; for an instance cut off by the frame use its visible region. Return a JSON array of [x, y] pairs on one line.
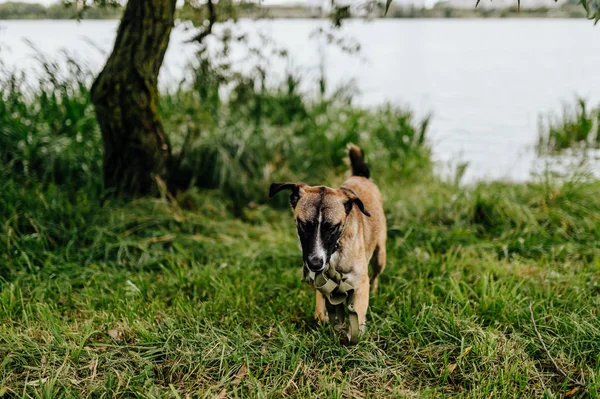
[[319, 249]]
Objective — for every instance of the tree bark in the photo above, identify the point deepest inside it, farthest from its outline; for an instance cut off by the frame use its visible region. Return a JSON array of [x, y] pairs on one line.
[[125, 96]]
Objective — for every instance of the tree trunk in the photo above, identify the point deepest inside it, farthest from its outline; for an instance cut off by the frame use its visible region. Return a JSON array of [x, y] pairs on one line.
[[125, 96]]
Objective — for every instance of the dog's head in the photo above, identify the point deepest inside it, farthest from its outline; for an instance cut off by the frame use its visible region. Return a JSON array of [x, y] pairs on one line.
[[321, 214]]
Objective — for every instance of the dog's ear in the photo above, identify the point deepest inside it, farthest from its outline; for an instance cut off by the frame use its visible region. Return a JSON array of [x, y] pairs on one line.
[[353, 199], [295, 188]]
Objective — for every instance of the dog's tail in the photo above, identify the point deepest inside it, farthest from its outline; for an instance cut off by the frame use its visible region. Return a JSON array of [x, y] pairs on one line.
[[357, 161]]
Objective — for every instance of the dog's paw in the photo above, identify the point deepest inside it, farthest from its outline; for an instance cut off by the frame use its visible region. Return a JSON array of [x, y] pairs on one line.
[[321, 318]]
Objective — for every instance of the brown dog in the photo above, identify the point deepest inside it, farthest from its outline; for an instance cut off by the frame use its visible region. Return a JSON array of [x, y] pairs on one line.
[[342, 228]]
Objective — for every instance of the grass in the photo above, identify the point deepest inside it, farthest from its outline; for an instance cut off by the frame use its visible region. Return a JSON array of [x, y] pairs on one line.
[[201, 295], [577, 128], [160, 298]]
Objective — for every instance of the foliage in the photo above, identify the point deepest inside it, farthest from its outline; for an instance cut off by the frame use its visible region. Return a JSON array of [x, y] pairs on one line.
[[196, 11], [238, 143], [591, 7], [20, 10], [576, 128]]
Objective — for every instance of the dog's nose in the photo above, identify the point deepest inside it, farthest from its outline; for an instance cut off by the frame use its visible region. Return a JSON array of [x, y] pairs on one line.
[[315, 262]]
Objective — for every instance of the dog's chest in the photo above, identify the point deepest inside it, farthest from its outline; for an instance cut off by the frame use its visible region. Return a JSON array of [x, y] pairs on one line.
[[341, 263]]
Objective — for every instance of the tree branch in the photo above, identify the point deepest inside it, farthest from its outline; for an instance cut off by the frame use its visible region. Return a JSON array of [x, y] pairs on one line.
[[212, 19]]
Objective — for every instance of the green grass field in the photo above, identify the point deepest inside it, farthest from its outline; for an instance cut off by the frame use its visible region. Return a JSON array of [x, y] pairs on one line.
[[490, 291], [160, 298]]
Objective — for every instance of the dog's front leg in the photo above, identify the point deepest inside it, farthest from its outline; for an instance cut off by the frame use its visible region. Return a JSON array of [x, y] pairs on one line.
[[320, 309], [361, 300]]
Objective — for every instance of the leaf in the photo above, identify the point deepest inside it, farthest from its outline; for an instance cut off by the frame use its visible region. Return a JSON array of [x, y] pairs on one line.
[[387, 6], [37, 383], [222, 394], [93, 368], [465, 352], [167, 238], [3, 391], [116, 335], [450, 369], [241, 374], [572, 391], [174, 391]]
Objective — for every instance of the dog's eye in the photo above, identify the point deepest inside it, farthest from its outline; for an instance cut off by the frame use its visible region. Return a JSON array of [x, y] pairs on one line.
[[332, 228], [303, 226]]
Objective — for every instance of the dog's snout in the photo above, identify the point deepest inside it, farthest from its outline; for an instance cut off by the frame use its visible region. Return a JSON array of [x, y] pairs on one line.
[[315, 262]]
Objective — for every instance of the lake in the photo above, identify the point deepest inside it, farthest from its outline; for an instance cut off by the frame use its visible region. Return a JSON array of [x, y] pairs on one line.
[[486, 82]]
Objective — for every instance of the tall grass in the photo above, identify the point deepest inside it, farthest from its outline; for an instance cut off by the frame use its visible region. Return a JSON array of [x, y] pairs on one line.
[[237, 144], [258, 133], [576, 128], [48, 128]]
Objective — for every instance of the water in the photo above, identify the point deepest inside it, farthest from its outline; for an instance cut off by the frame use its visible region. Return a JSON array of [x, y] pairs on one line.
[[486, 82]]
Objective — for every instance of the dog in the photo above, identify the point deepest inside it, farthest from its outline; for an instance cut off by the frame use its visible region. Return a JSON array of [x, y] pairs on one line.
[[343, 228]]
